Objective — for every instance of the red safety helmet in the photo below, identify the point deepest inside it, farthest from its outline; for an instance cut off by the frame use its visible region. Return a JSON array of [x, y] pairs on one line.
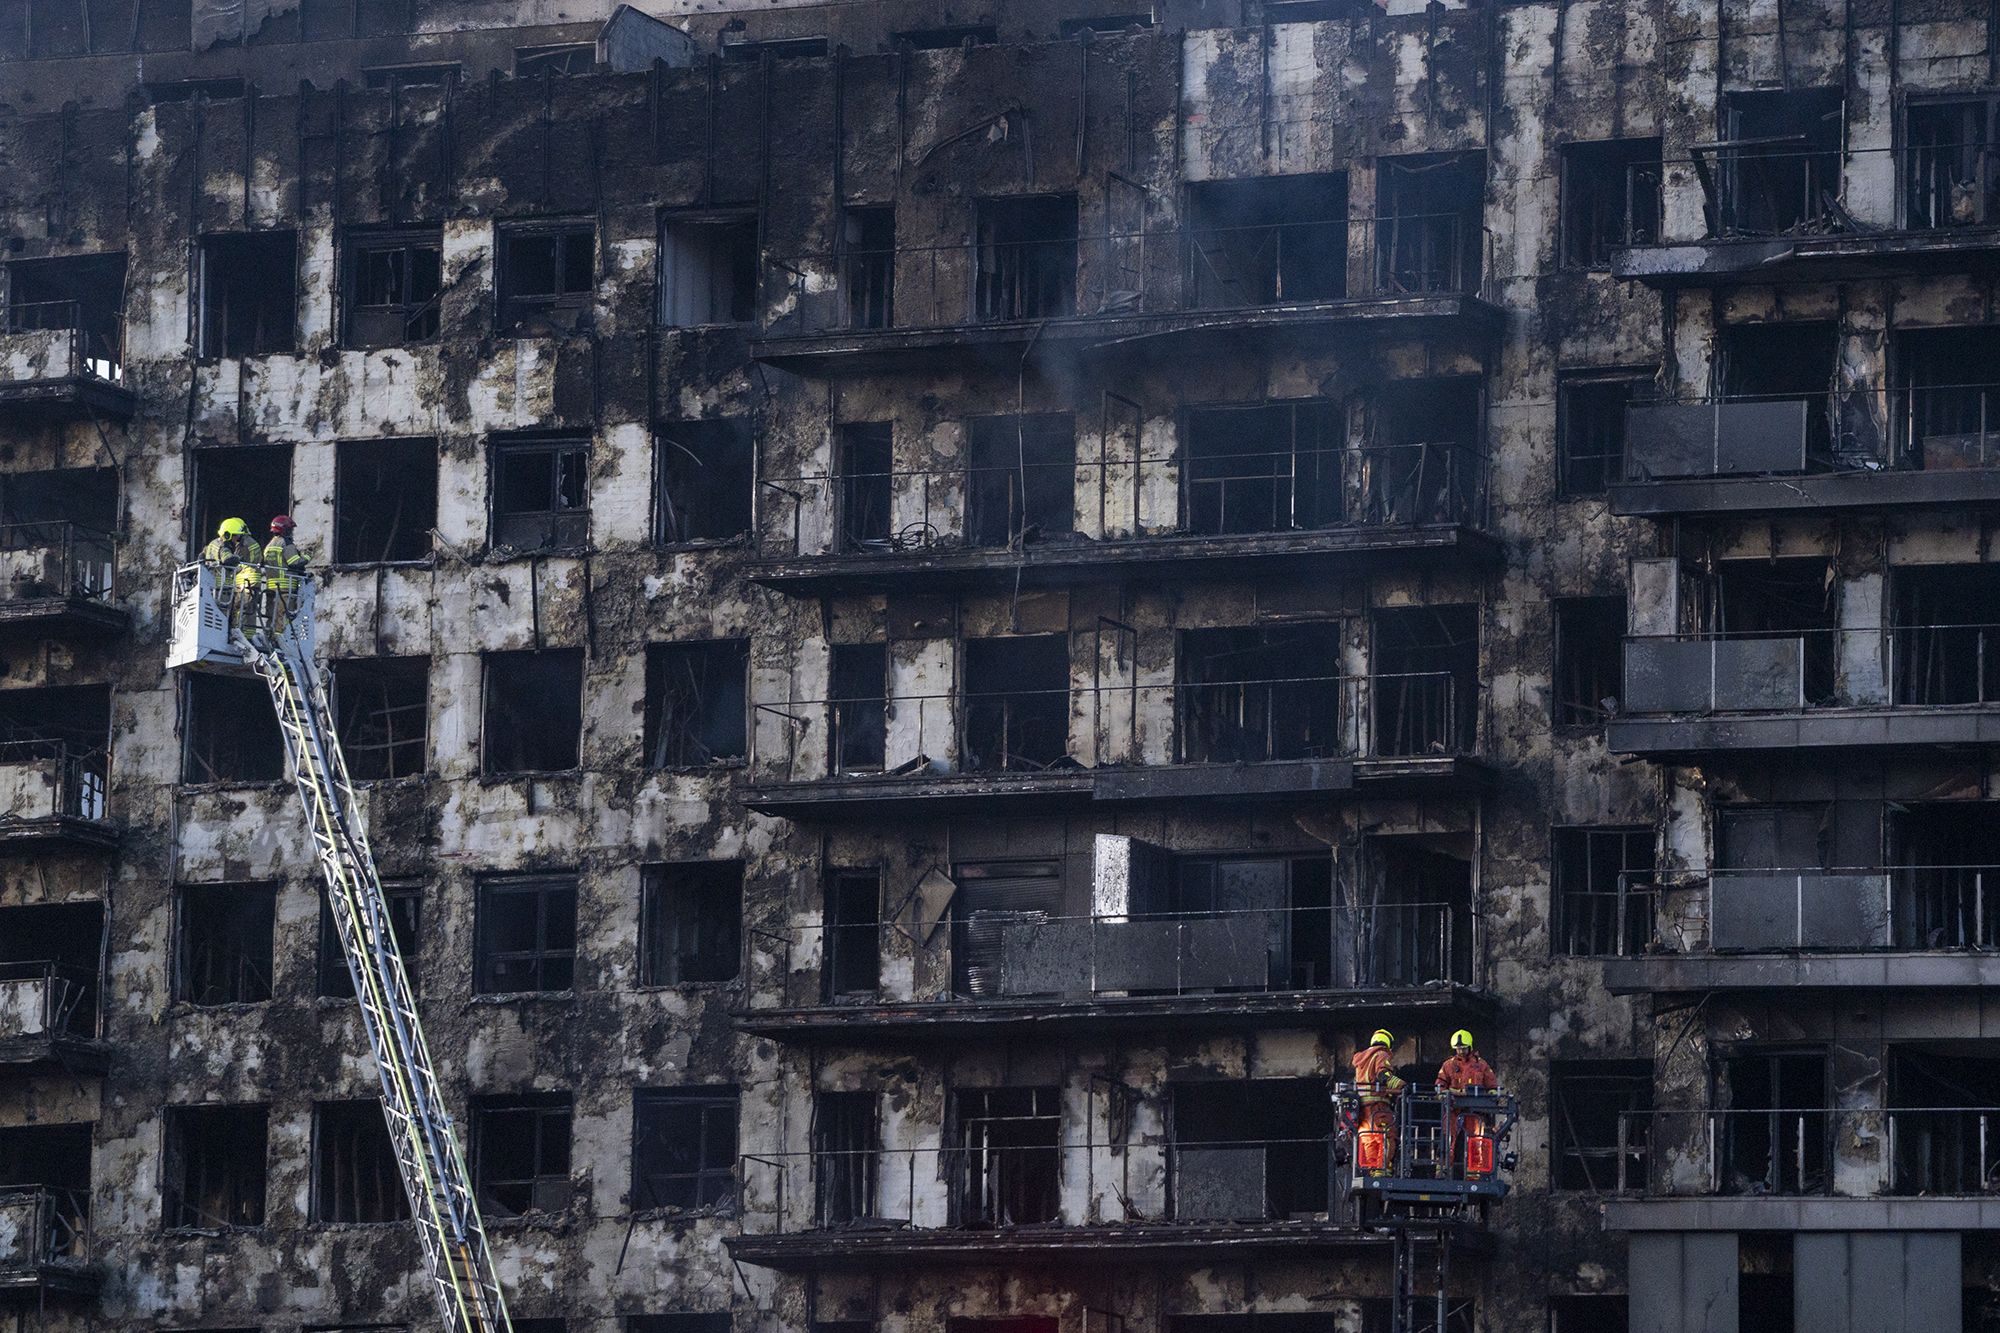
[[282, 525]]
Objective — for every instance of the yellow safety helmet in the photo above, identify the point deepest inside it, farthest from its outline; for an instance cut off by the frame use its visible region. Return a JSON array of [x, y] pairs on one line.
[[1461, 1040], [1382, 1037], [232, 527]]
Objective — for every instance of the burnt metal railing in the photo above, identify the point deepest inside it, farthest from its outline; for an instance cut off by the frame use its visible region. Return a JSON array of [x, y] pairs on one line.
[[1794, 670], [47, 1000], [41, 779], [42, 1227], [1861, 428], [1867, 1152], [58, 558], [69, 348], [1910, 908]]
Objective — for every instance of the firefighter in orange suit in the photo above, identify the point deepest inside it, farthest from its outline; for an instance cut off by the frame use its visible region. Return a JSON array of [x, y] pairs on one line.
[[1465, 1071], [1378, 1085]]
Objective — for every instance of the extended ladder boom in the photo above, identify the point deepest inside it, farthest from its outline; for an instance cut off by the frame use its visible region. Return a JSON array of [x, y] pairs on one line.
[[427, 1150]]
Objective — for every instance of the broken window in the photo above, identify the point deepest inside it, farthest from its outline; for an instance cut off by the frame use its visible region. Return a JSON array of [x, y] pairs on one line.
[[1015, 703], [229, 731], [1946, 622], [708, 271], [53, 1160], [1947, 881], [1105, 25], [248, 285], [1778, 167], [1290, 897], [697, 695], [845, 1143], [533, 62], [1260, 242], [547, 273], [215, 1166], [1766, 1289], [947, 38], [1255, 694], [1592, 1312], [1425, 680], [1590, 429], [852, 913], [382, 709], [405, 901], [868, 266], [534, 711], [520, 1153], [526, 935], [1026, 265], [85, 293], [865, 465], [1610, 199], [706, 477], [399, 78], [684, 1147], [1775, 1127], [691, 922], [223, 953], [1313, 11], [1411, 916], [1273, 467], [55, 750], [859, 679], [1251, 1150], [252, 482], [1427, 230], [392, 288], [1783, 363], [384, 500], [1949, 177], [991, 896], [1948, 383], [541, 494], [1599, 1114], [1021, 485], [1007, 1156], [1941, 1152], [1602, 884], [354, 1165], [1590, 659], [778, 48], [74, 504], [1422, 463], [56, 949], [718, 1322], [1781, 601]]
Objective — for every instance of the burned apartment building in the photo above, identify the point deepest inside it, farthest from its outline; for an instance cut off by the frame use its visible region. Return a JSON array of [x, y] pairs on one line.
[[939, 607]]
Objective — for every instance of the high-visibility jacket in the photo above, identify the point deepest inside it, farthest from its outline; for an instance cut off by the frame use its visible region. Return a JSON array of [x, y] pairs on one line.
[[1374, 1076], [223, 552], [283, 563], [1463, 1073]]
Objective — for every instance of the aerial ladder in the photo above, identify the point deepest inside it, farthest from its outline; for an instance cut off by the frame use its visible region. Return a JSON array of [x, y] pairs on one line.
[[1428, 1184], [240, 631]]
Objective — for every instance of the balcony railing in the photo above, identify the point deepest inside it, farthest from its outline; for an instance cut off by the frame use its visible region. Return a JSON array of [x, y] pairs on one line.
[[58, 559], [47, 1001], [42, 780], [43, 1227], [1124, 271], [49, 340], [1780, 671], [1028, 730], [1898, 909], [1931, 428], [1855, 1152]]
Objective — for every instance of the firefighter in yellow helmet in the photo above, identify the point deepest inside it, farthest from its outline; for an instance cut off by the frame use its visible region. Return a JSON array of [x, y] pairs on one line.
[[1376, 1082], [232, 554], [1464, 1070]]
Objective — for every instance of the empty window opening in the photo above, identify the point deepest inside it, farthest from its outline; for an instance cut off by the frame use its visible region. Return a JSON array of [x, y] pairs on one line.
[[868, 266], [1428, 211], [1600, 1123], [1942, 1152], [1255, 694], [1027, 258], [1106, 25], [39, 508], [1590, 659], [229, 731], [1015, 703], [865, 463], [1021, 486], [684, 1147], [52, 1160], [1946, 881], [778, 48], [691, 922], [852, 913], [399, 78], [541, 494], [1783, 363], [1603, 887], [51, 970], [405, 901], [1776, 1129], [697, 695], [1290, 897], [1312, 11], [845, 1142], [85, 294], [1949, 176], [991, 896], [248, 286], [1610, 199], [947, 38], [1766, 1290], [859, 677], [215, 1167], [708, 271], [354, 1165], [1259, 242], [1946, 622], [224, 943], [1007, 1158], [1251, 1150], [534, 711], [1781, 600], [1412, 912], [1422, 462], [1425, 683], [393, 285], [707, 474], [1592, 1312], [250, 482], [547, 1325], [55, 751], [382, 710], [1274, 467], [547, 273], [1778, 168], [384, 501], [532, 62], [1590, 429], [1948, 397], [526, 935], [1378, 1316], [1303, 1321], [718, 1322], [520, 1153]]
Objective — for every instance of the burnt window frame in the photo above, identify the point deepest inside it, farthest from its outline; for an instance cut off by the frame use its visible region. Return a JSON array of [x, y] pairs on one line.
[[501, 449], [867, 271], [1017, 709], [1306, 478], [710, 1103], [654, 755], [997, 298], [777, 48], [1563, 711], [493, 663], [680, 1321], [175, 1163], [405, 901], [838, 929], [1605, 929], [208, 334], [1044, 506], [185, 969], [731, 222], [317, 1200], [1912, 215], [1635, 1079], [358, 242], [382, 669], [1629, 155], [400, 78], [555, 60], [665, 968], [347, 456], [978, 1182], [668, 446], [544, 888], [1638, 384], [513, 311], [544, 1109]]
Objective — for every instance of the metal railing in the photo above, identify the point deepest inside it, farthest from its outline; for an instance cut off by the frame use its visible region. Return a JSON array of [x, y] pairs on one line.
[[1750, 671], [49, 1000], [41, 1226], [1900, 909], [1024, 954], [58, 558], [1617, 922], [1866, 1152], [1222, 721], [48, 779], [69, 348], [1862, 428], [1122, 270]]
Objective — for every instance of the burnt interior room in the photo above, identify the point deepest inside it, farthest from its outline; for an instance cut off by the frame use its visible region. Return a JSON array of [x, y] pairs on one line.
[[546, 273], [224, 943], [229, 732], [1289, 899], [1946, 628], [1410, 910], [65, 942], [707, 473], [868, 266], [1423, 462], [1948, 177], [252, 482], [858, 676], [1946, 874], [1783, 599], [1260, 242], [865, 468], [1611, 199], [541, 493], [1014, 703], [533, 716], [846, 1138], [1938, 1150], [393, 288], [1259, 693], [81, 292], [30, 502], [1263, 467], [1766, 1286], [1424, 682], [382, 714], [1946, 399], [249, 282], [1020, 486], [697, 703], [1025, 261], [1427, 222], [1779, 162], [991, 896], [67, 730], [55, 1158], [1775, 1123], [1793, 361], [1008, 1156], [384, 500], [1251, 1149]]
